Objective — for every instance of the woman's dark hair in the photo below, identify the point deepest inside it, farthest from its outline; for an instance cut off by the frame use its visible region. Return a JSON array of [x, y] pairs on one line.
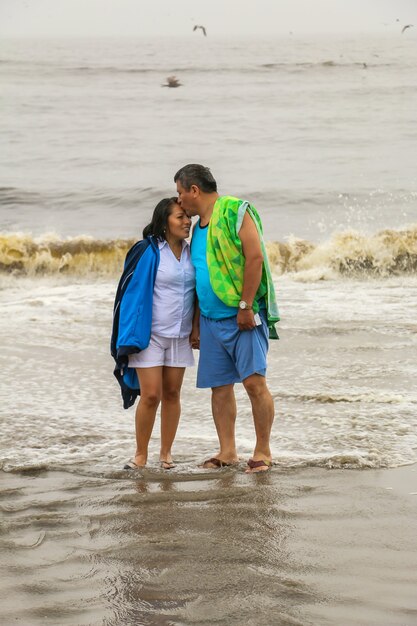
[[195, 174], [159, 221]]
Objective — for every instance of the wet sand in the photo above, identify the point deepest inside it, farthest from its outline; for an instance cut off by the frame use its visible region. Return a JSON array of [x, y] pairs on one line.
[[291, 547]]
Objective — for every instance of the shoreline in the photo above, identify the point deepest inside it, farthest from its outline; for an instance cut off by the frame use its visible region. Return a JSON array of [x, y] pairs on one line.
[[304, 546]]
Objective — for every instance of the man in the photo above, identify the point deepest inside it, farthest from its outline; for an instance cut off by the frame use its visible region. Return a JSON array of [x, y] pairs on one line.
[[236, 307]]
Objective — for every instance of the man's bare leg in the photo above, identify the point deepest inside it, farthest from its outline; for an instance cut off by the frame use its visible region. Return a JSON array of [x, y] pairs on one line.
[[263, 417], [223, 405]]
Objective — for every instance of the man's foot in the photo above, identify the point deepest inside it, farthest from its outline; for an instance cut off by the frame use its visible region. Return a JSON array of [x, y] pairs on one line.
[[254, 467], [215, 463], [166, 465]]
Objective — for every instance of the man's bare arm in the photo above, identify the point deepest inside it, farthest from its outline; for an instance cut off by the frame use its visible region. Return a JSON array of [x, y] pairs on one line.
[[252, 252]]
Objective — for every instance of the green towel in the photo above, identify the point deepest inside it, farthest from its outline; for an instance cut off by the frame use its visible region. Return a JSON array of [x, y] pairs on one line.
[[226, 262]]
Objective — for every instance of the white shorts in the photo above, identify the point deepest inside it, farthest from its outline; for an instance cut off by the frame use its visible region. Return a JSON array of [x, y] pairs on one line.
[[171, 352]]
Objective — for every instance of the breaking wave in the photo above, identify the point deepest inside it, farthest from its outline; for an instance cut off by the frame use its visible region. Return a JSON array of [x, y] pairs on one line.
[[386, 253], [24, 255]]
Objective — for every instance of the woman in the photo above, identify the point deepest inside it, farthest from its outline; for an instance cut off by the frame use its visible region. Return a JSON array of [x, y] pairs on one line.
[[152, 325]]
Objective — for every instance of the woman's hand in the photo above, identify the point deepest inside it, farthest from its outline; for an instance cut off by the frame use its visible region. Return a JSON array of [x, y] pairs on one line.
[[195, 338], [195, 331]]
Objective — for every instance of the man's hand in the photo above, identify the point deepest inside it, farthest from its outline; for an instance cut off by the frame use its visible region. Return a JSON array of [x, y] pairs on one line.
[[246, 319]]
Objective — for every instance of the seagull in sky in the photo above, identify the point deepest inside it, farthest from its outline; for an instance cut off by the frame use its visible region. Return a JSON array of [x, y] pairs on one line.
[[405, 27], [202, 28]]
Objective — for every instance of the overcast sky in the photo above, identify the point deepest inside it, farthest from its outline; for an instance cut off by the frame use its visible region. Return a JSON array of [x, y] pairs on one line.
[[58, 18]]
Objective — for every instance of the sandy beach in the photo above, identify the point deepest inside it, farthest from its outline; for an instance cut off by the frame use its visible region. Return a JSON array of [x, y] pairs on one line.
[[291, 547]]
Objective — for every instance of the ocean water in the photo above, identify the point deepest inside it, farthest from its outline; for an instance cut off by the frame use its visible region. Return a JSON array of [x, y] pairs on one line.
[[319, 134]]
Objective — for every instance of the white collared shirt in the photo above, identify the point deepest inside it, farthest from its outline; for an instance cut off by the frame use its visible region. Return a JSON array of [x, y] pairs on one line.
[[174, 293]]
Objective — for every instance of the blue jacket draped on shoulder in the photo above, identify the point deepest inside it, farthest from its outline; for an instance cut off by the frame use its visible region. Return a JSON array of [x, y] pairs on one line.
[[132, 313]]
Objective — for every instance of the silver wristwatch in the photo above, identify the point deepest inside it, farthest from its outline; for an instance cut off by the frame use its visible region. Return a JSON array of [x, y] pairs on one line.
[[245, 306]]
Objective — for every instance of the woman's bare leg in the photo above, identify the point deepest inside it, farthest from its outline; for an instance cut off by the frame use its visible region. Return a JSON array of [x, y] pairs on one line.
[[150, 381], [172, 378]]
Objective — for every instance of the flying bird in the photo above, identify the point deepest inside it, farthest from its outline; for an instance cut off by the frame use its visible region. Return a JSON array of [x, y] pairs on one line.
[[202, 28], [405, 27], [172, 81]]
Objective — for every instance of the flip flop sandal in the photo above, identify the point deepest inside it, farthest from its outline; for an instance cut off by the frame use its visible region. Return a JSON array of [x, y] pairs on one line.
[[130, 465], [167, 465], [262, 463], [218, 463]]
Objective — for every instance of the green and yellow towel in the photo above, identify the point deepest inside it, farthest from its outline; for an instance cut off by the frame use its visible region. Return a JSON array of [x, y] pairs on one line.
[[226, 262]]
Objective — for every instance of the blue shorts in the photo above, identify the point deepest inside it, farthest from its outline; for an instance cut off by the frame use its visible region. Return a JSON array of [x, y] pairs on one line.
[[229, 355]]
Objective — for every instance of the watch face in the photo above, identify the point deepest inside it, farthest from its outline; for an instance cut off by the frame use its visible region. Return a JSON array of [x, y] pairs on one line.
[[242, 304]]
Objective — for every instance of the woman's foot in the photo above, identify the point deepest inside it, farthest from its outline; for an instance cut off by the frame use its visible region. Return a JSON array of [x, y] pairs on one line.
[[140, 459], [167, 465], [138, 462], [165, 460], [130, 465]]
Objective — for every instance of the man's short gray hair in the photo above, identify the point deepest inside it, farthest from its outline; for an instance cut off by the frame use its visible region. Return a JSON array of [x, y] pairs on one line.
[[195, 174]]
